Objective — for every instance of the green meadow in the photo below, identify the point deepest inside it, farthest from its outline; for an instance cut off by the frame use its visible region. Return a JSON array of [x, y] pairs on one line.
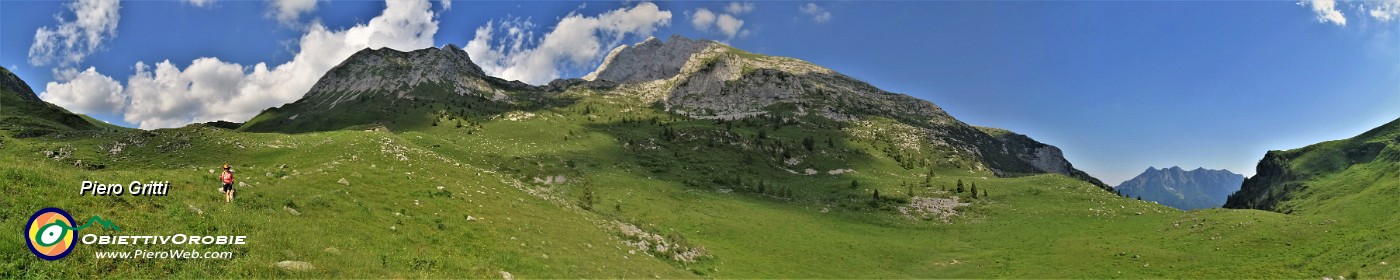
[[595, 188]]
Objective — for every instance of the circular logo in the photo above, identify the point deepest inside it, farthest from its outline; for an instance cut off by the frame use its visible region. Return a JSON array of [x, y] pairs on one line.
[[50, 233]]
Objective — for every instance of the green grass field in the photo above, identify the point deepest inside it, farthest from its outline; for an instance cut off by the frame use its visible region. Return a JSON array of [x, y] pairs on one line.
[[448, 202]]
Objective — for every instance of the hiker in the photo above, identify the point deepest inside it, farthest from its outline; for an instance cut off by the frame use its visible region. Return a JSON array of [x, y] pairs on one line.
[[227, 178]]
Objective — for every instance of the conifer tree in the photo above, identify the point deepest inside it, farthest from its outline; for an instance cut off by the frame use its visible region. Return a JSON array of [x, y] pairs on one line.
[[928, 179], [586, 201]]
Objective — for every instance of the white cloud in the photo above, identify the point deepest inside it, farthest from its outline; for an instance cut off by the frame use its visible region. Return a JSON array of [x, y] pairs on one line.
[[727, 23], [199, 3], [209, 89], [702, 19], [576, 42], [167, 96], [288, 11], [71, 41], [738, 8], [817, 13], [86, 92], [1385, 11], [1326, 11], [446, 5]]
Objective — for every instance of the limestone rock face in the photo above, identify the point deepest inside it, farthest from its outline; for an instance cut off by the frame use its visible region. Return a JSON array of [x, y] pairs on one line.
[[372, 71], [647, 61], [382, 81], [1043, 158], [708, 80]]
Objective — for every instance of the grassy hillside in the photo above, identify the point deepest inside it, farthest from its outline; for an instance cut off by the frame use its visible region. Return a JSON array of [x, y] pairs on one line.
[[474, 201], [403, 212], [465, 176], [23, 114], [1286, 179]]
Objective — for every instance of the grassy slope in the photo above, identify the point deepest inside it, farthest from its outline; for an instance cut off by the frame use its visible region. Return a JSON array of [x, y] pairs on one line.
[[1354, 183], [430, 236], [1047, 226], [1031, 227], [28, 118], [23, 114]]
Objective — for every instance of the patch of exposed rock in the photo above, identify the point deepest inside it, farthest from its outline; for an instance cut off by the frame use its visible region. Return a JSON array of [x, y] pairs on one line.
[[928, 208], [647, 61], [294, 266]]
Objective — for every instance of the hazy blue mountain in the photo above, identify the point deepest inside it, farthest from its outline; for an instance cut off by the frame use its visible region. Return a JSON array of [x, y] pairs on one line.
[[1183, 189]]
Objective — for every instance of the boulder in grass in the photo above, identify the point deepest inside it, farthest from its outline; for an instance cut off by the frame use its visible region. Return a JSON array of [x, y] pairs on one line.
[[294, 266]]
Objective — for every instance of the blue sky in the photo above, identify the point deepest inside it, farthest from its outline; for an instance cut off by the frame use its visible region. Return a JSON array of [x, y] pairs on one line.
[[1119, 86]]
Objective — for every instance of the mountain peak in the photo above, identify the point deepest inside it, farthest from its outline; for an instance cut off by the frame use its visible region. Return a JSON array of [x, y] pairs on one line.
[[1186, 190], [447, 56], [390, 71], [649, 60]]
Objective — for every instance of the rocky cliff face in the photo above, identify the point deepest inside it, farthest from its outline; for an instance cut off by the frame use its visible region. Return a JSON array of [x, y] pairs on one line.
[[378, 86], [393, 72], [1182, 189], [647, 61], [1043, 157]]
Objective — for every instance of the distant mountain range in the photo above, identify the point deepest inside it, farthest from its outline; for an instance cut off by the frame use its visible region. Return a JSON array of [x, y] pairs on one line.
[[1183, 189]]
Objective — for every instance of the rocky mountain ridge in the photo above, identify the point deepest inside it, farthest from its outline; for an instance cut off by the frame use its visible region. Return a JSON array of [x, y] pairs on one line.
[[720, 82], [698, 79], [371, 71], [1182, 189]]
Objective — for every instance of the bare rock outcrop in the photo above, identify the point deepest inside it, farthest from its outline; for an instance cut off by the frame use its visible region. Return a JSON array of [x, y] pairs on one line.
[[647, 61]]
